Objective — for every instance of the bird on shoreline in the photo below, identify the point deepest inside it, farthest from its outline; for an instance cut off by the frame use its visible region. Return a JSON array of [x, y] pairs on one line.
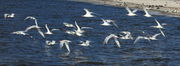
[[88, 13], [131, 13], [115, 39]]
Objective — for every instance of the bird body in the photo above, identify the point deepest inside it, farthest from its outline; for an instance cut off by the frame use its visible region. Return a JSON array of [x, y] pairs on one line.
[[88, 13]]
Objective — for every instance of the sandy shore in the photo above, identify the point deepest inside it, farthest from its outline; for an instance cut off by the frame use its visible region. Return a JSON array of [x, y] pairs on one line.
[[171, 7]]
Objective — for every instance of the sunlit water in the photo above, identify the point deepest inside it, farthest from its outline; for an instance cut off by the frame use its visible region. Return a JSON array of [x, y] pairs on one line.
[[23, 50]]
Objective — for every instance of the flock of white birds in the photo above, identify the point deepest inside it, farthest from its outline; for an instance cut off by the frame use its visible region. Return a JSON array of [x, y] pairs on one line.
[[78, 31]]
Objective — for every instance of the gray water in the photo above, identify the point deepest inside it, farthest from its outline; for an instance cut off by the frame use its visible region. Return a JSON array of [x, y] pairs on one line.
[[19, 50]]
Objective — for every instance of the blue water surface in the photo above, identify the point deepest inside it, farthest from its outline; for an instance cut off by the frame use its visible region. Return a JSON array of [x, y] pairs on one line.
[[22, 50]]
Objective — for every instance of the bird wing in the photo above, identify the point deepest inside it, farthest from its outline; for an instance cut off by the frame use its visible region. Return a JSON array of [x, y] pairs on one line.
[[146, 11], [77, 26], [31, 27], [54, 29], [107, 38], [47, 28], [115, 25], [137, 39], [87, 11], [129, 11], [154, 36], [117, 42], [86, 28], [61, 44], [135, 10], [162, 32], [157, 22], [67, 46], [29, 17], [41, 33]]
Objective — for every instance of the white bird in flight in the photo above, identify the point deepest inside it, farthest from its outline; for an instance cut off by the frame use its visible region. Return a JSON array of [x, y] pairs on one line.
[[128, 35], [146, 12], [35, 20], [115, 39], [9, 15], [50, 42], [147, 37], [25, 31], [131, 13], [85, 43], [48, 31], [158, 25], [66, 43], [107, 22], [88, 13], [78, 28], [68, 25]]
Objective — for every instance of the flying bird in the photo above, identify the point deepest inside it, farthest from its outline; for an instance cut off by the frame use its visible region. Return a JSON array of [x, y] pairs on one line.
[[131, 13], [66, 43], [147, 37], [115, 39], [146, 12], [50, 42], [6, 15], [88, 13], [158, 25], [85, 43]]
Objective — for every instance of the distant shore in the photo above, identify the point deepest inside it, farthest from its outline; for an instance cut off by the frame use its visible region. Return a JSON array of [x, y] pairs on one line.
[[170, 7]]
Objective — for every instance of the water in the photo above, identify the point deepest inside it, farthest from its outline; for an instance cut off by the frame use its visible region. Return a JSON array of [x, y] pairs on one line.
[[23, 50]]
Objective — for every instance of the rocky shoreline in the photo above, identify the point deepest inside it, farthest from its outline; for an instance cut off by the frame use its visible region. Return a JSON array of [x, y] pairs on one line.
[[169, 7]]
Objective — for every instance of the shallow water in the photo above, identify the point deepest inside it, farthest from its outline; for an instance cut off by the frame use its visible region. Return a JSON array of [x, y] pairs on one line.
[[23, 50]]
